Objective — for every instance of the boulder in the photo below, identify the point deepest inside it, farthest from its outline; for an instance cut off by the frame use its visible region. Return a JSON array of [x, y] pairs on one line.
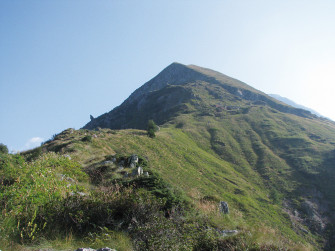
[[107, 162], [229, 232], [78, 193], [223, 207], [139, 171], [133, 159]]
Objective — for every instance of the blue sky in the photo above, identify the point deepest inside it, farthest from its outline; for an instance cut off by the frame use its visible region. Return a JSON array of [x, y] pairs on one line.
[[61, 61]]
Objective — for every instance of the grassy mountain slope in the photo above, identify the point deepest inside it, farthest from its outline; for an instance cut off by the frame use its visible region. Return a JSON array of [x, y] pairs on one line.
[[219, 140], [200, 174], [282, 149], [200, 177]]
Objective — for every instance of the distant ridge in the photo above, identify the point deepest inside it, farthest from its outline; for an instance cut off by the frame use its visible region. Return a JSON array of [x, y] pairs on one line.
[[294, 104]]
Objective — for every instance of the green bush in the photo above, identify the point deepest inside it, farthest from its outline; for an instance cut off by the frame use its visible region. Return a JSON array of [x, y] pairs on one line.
[[160, 189], [33, 154], [152, 128], [3, 148], [87, 138], [151, 133]]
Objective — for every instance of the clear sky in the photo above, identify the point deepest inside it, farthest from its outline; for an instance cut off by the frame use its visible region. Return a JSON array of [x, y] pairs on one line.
[[61, 61]]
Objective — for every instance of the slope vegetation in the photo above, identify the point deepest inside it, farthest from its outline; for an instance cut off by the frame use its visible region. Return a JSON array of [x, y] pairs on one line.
[[219, 140], [285, 151]]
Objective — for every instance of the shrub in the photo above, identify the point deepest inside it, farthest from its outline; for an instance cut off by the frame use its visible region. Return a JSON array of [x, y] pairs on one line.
[[151, 133], [152, 128], [3, 148], [160, 189], [87, 138], [33, 154]]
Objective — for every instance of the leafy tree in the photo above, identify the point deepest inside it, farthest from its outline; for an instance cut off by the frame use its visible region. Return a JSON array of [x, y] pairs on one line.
[[3, 148], [152, 128]]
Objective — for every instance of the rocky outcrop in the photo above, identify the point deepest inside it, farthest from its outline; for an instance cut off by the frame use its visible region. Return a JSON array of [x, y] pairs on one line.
[[229, 232], [139, 171], [132, 161], [223, 207], [312, 213]]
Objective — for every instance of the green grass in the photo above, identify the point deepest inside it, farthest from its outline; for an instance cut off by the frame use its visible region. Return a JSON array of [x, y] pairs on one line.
[[198, 173], [269, 155], [251, 155]]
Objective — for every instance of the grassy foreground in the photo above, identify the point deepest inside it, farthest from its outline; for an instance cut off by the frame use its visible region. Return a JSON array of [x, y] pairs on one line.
[[70, 193]]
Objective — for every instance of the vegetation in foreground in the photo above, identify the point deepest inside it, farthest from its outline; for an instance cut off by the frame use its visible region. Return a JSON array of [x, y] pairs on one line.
[[72, 192], [50, 197]]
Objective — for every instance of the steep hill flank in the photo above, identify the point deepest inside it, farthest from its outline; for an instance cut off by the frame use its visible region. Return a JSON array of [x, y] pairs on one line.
[[168, 88], [202, 175]]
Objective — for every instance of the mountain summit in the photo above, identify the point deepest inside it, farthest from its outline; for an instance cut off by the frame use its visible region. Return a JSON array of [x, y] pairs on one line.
[[174, 87]]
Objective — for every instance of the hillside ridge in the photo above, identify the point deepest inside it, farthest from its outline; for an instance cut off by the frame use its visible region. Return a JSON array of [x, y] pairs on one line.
[[179, 75], [294, 104]]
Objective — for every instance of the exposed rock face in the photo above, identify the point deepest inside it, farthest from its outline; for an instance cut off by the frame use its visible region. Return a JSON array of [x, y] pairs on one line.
[[314, 218], [223, 207], [313, 213]]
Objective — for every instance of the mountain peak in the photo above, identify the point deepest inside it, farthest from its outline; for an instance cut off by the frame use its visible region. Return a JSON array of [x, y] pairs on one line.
[[179, 86], [174, 74]]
